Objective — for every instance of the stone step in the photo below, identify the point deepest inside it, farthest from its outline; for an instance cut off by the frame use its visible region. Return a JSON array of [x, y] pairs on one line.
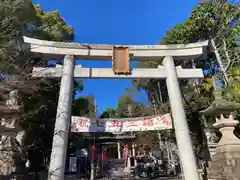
[[126, 178], [214, 165]]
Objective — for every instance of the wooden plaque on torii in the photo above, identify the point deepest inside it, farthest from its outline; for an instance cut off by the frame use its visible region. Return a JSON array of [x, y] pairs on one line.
[[121, 60]]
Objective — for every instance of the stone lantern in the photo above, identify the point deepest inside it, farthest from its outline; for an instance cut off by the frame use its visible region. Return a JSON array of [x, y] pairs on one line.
[[225, 154], [11, 135]]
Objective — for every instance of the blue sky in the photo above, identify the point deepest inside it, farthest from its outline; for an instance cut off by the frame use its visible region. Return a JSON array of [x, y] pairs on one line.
[[117, 22]]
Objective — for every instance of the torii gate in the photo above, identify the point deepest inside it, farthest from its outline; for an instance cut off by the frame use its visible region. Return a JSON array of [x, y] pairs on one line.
[[168, 71]]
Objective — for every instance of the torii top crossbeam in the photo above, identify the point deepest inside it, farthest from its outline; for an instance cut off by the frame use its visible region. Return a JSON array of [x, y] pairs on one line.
[[104, 52]]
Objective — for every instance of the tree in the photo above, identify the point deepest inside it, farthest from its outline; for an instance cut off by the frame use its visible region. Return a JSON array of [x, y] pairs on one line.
[[108, 113], [207, 21], [47, 26], [21, 17], [38, 97], [51, 26], [14, 17], [127, 107], [84, 106], [40, 114]]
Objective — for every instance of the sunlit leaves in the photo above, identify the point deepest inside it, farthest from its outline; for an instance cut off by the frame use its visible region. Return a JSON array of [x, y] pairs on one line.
[[232, 91], [51, 26], [21, 17]]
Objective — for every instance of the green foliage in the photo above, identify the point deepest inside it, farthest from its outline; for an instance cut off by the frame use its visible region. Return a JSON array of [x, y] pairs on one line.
[[83, 106], [232, 91], [206, 21], [236, 31], [108, 113], [127, 107], [21, 17], [39, 116], [14, 18], [51, 26]]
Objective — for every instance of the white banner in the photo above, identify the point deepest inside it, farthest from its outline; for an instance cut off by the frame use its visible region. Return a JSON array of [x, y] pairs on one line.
[[80, 124], [83, 124]]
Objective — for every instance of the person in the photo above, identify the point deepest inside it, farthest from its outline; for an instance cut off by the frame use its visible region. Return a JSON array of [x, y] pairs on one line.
[[126, 154], [149, 166], [148, 161], [105, 163]]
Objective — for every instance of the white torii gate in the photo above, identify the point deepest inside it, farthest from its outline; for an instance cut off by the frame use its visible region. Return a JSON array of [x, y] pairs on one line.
[[168, 71]]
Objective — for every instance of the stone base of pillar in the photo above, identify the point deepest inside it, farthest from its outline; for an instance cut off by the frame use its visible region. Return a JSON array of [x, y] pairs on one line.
[[225, 164], [127, 171], [12, 163], [92, 176], [6, 158]]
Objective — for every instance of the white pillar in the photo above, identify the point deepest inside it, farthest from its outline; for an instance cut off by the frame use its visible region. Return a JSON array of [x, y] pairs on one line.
[[119, 150], [60, 137], [133, 150], [128, 162], [92, 174], [134, 154], [161, 146], [184, 143]]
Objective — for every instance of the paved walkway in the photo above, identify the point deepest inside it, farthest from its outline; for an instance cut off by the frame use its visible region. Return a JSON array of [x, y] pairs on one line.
[[162, 178]]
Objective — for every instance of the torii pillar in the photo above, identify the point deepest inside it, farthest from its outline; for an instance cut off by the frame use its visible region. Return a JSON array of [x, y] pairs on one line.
[[184, 142], [61, 131]]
